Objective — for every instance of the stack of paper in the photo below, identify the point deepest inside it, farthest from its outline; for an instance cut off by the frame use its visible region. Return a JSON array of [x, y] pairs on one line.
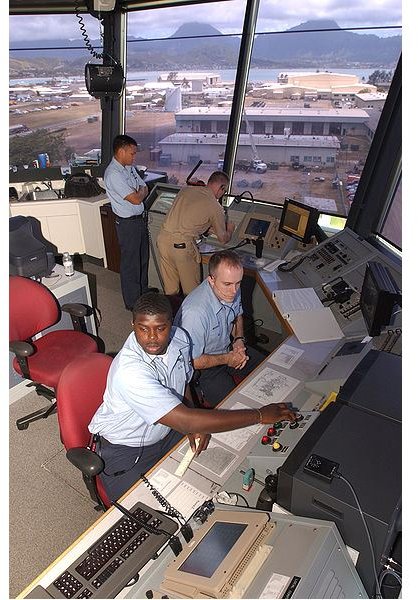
[[308, 318]]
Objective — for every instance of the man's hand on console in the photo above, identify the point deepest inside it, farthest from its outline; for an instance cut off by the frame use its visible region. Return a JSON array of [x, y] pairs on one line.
[[237, 357], [271, 413], [198, 442]]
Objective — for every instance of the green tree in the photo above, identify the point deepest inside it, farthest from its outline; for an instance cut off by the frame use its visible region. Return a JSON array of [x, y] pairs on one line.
[[23, 149]]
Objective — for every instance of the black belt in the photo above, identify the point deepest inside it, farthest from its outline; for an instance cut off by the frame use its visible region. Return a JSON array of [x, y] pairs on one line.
[[141, 216], [182, 245]]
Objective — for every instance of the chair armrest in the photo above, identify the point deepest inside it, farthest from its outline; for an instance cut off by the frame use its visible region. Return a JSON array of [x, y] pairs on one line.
[[21, 349], [78, 313], [78, 310], [87, 461]]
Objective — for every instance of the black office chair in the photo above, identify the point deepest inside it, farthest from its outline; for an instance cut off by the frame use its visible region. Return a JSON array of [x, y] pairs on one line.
[[32, 309]]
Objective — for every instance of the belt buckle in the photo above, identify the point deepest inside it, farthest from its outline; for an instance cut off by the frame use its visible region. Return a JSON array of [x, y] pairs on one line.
[[182, 245]]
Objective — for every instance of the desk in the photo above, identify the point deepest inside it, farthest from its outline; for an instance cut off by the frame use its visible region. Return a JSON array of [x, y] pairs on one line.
[[202, 480], [66, 290]]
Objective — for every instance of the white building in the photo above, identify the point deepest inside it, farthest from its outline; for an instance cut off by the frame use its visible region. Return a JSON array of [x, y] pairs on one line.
[[271, 120], [195, 82], [305, 149]]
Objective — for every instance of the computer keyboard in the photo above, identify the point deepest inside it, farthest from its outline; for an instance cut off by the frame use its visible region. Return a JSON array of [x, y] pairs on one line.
[[111, 562]]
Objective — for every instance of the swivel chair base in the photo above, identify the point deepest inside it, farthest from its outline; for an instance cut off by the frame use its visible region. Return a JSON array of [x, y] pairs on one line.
[[43, 413]]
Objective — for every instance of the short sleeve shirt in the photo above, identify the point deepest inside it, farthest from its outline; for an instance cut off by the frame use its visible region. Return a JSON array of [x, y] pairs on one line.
[[208, 320], [194, 210], [141, 389], [119, 182]]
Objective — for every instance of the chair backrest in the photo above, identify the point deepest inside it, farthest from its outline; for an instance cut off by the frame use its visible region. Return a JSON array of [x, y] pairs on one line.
[[32, 308], [79, 394]]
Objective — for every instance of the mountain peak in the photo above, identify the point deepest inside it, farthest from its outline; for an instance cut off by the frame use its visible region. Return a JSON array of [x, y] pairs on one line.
[[196, 29], [316, 24]]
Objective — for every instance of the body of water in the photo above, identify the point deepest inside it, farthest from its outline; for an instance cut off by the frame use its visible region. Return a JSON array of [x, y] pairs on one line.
[[227, 75]]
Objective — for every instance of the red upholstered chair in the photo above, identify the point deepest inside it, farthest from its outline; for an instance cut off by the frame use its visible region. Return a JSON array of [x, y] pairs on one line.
[[32, 309], [79, 394]]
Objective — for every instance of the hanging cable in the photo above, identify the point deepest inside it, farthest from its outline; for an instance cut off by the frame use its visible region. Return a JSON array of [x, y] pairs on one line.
[[84, 34]]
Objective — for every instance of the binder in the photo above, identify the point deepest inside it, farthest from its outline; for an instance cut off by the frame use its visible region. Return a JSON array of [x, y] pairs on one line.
[[309, 320]]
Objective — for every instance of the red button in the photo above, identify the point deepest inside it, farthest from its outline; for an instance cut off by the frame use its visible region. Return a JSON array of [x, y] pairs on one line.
[[271, 431], [265, 440]]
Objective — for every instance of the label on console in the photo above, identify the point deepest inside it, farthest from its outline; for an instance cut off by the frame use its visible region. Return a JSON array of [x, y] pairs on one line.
[[275, 587]]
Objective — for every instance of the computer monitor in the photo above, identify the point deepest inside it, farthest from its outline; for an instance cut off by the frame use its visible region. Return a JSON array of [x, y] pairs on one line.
[[207, 566], [299, 221], [379, 294], [257, 227]]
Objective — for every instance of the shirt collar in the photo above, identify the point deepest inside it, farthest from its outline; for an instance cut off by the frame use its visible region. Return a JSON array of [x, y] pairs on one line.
[[174, 348], [214, 301], [118, 165]]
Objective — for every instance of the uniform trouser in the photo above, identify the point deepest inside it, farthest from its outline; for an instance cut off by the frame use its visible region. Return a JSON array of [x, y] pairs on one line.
[[125, 464], [217, 382], [134, 258], [178, 266]]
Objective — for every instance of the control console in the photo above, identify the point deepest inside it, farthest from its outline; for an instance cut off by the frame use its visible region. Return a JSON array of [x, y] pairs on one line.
[[277, 442]]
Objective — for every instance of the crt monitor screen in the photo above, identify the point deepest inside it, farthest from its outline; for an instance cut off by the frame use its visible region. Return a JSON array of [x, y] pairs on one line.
[[298, 221], [257, 227], [379, 294]]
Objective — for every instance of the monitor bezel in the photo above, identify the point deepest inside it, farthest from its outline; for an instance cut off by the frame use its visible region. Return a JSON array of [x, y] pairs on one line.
[[255, 522], [310, 225]]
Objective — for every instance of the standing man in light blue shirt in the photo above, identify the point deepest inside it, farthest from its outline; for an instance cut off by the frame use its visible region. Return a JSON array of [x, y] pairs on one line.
[[127, 192], [147, 405], [212, 315]]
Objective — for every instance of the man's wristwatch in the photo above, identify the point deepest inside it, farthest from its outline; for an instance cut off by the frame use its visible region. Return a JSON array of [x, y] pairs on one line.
[[239, 337]]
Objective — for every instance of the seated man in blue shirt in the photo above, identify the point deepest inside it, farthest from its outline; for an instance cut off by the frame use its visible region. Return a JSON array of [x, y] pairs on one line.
[[127, 192], [147, 406], [212, 315]]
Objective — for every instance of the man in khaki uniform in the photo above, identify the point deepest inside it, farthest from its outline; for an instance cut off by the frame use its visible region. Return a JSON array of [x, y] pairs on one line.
[[195, 210]]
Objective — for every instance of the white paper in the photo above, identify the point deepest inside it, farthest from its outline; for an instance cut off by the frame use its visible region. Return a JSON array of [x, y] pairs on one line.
[[237, 438], [216, 459], [269, 386], [285, 356]]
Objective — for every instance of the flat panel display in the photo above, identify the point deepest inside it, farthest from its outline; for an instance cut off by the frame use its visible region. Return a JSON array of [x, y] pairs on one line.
[[211, 551]]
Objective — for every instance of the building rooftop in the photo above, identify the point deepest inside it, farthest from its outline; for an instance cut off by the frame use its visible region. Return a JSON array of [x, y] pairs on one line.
[[272, 111], [375, 96], [308, 141]]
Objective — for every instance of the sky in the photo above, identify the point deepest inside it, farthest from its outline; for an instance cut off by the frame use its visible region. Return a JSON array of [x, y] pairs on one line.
[[225, 16]]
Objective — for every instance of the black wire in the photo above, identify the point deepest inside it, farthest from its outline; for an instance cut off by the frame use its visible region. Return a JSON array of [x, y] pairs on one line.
[[293, 267], [239, 496], [84, 33], [369, 539], [241, 243], [170, 510]]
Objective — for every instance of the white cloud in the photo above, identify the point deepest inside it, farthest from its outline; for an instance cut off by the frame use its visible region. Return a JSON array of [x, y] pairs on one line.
[[226, 16]]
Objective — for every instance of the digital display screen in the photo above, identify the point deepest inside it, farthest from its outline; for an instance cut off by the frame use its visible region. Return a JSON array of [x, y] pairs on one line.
[[257, 227], [292, 220], [213, 549], [298, 220]]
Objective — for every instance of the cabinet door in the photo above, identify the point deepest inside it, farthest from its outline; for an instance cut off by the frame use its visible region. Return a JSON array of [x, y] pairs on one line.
[[65, 233], [91, 228]]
